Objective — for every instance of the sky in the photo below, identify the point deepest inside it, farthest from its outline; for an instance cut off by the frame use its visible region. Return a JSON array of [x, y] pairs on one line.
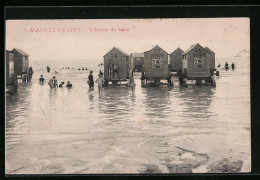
[[225, 36]]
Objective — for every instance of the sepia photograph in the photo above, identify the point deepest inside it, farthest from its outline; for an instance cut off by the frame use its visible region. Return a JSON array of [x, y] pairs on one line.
[[127, 96]]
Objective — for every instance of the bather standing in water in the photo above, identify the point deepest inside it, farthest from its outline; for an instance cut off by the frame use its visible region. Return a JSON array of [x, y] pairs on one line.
[[51, 82], [91, 81], [233, 66], [14, 83], [69, 84], [132, 84], [41, 80], [226, 66], [100, 82]]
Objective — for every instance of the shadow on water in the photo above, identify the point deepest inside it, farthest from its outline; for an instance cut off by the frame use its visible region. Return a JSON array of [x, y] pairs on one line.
[[157, 102], [197, 102], [18, 104], [114, 103]]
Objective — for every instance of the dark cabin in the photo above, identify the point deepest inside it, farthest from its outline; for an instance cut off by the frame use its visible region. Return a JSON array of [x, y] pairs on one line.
[[156, 63], [121, 59], [9, 66], [176, 60], [196, 62], [212, 58], [137, 61], [21, 61]]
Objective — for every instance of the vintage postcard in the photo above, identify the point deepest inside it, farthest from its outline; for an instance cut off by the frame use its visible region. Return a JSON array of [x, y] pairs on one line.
[[127, 96]]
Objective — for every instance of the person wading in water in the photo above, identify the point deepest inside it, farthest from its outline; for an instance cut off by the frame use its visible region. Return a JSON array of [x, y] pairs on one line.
[[91, 81]]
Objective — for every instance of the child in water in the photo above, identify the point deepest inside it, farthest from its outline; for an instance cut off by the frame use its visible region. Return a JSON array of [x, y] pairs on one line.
[[100, 82], [132, 84], [69, 84], [41, 79]]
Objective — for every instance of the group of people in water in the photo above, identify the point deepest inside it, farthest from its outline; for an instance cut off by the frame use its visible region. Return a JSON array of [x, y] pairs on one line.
[[227, 66], [53, 83]]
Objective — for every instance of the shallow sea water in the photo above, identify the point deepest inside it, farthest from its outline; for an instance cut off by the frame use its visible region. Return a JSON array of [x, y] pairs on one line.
[[60, 131]]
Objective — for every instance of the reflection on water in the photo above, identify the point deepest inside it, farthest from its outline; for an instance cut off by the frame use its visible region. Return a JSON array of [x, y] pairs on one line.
[[77, 131]]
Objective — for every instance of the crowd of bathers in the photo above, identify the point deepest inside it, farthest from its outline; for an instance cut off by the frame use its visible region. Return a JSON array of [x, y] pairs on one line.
[[53, 83]]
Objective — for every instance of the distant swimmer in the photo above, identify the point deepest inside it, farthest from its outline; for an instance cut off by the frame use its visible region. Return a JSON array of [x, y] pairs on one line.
[[218, 65], [233, 66], [82, 68], [86, 68], [69, 84], [61, 84], [56, 72], [79, 69], [41, 80]]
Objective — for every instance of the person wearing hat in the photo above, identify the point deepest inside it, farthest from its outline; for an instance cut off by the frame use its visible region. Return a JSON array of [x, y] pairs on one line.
[[69, 84], [91, 81]]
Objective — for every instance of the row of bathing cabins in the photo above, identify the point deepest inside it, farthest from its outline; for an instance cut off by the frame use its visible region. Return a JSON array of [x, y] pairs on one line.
[[16, 64], [196, 63]]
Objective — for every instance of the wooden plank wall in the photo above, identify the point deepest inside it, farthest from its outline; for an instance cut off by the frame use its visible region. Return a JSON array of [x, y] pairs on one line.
[[212, 61], [176, 61], [161, 72], [25, 64], [194, 72], [18, 63]]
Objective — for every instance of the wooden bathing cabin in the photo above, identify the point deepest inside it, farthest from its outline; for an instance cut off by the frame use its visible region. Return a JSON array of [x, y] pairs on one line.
[[137, 61], [9, 66], [156, 66], [176, 60], [116, 67], [21, 64], [196, 66]]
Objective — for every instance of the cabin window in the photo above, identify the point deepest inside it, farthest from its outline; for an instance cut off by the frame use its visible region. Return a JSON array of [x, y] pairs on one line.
[[199, 49], [115, 55], [112, 55], [25, 57], [196, 50]]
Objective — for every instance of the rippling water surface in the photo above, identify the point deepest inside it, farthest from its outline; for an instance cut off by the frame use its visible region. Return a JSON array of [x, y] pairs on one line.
[[76, 131]]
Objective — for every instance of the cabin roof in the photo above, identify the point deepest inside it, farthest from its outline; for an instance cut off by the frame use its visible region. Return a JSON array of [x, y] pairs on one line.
[[145, 52], [20, 52], [190, 48], [178, 49], [137, 54], [122, 52], [9, 51], [209, 50]]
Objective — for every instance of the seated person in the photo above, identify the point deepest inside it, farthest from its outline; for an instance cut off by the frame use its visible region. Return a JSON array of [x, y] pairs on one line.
[[41, 79], [69, 84], [61, 84]]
